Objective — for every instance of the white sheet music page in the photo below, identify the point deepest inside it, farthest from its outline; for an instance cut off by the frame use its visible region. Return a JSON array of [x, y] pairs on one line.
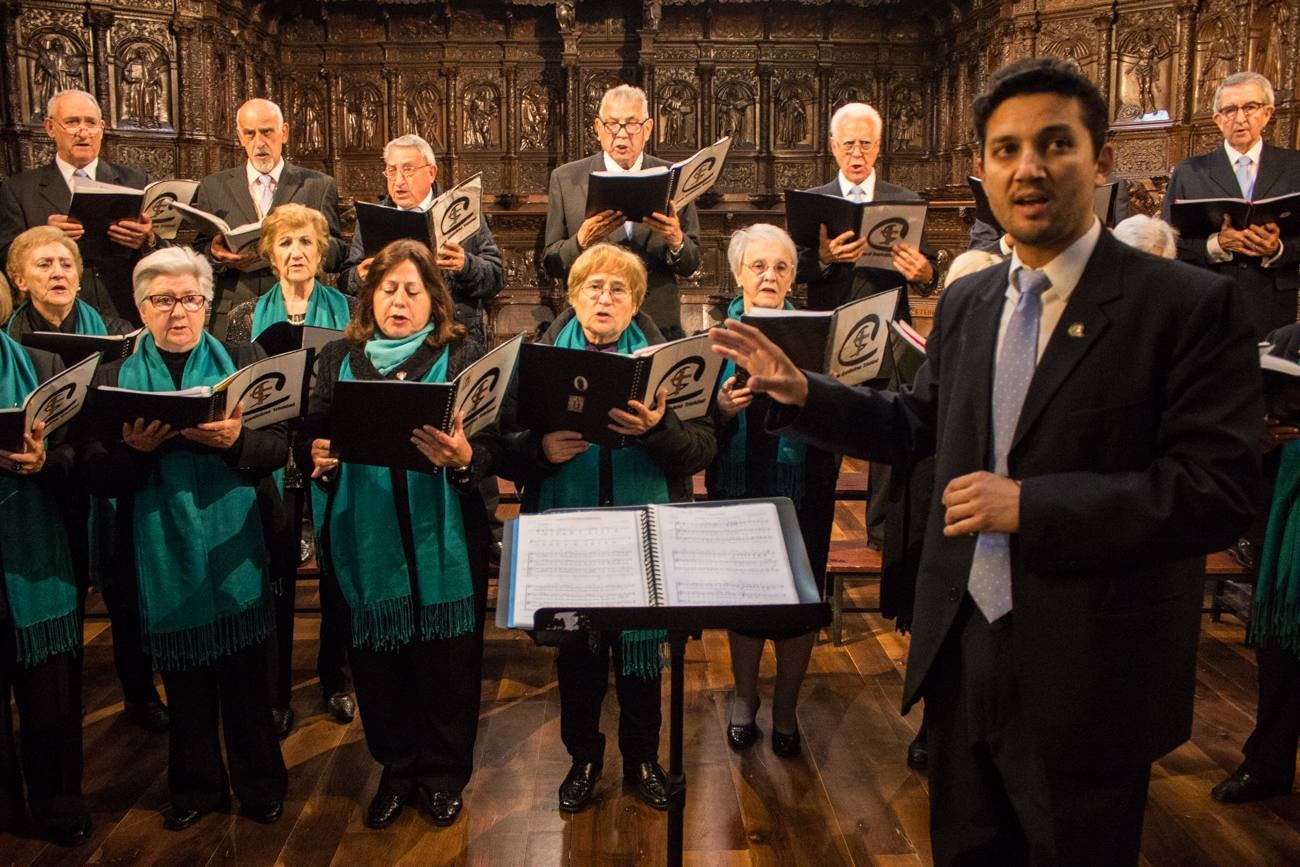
[[578, 560], [724, 555]]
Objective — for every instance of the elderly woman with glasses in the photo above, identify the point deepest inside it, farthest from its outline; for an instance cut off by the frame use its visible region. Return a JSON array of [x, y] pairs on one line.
[[753, 463], [192, 504], [294, 240], [558, 469], [408, 550]]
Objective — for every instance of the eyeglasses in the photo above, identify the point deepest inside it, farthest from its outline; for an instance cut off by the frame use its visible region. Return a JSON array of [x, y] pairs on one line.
[[1249, 109], [616, 293], [632, 126], [166, 303], [850, 146], [391, 172], [782, 269], [90, 126]]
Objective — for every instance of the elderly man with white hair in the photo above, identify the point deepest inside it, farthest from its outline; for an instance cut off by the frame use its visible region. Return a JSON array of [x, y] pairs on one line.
[[667, 243], [1149, 234], [247, 193], [192, 508]]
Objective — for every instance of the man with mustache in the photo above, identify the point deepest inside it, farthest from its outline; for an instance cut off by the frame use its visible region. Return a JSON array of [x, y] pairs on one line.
[[1094, 413], [248, 193]]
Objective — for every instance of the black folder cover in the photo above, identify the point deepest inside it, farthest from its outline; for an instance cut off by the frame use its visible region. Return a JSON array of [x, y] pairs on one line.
[[96, 212], [111, 408], [574, 389], [74, 347], [1197, 218], [381, 225], [636, 195], [806, 212], [371, 420], [801, 336]]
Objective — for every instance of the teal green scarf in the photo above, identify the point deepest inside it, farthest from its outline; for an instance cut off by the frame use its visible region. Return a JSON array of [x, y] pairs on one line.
[[790, 454], [199, 549], [326, 308], [369, 560], [638, 481], [88, 319], [1275, 616], [38, 579], [389, 353]]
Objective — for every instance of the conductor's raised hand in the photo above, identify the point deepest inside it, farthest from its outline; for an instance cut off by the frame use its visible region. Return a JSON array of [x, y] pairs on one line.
[[640, 418], [597, 226], [560, 446], [323, 459], [731, 400], [669, 226], [31, 459], [981, 502], [146, 437], [841, 248], [219, 435], [441, 449], [771, 371]]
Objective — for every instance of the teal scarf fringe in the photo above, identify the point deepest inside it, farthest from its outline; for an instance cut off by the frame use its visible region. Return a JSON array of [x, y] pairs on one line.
[[1275, 614]]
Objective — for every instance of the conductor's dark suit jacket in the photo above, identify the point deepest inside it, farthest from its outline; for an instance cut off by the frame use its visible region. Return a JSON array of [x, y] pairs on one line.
[[225, 194], [842, 282], [29, 198], [565, 212], [1267, 294], [1137, 453]]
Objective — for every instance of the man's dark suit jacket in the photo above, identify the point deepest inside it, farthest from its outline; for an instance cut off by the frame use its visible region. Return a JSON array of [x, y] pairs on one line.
[[1137, 451], [1268, 294], [29, 198], [225, 194], [471, 289], [842, 282], [564, 216]]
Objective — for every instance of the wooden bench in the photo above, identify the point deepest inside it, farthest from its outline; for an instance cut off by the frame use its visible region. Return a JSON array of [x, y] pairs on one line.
[[1229, 595], [849, 560]]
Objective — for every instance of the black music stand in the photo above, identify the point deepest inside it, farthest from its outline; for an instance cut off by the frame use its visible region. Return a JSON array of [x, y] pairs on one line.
[[681, 622]]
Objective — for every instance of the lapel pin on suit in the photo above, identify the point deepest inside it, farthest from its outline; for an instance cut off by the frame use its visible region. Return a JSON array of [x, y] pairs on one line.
[[1075, 329]]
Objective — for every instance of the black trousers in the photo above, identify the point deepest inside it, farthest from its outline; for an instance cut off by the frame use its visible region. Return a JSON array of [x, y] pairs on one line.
[[134, 666], [993, 800], [46, 751], [583, 674], [419, 710], [231, 692], [1270, 750]]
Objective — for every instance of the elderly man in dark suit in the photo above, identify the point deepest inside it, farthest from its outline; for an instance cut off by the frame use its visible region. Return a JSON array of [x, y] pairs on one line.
[[41, 196], [474, 271], [248, 193], [1259, 258], [668, 244], [1095, 415]]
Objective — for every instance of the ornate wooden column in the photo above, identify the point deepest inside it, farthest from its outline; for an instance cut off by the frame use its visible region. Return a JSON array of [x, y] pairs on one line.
[[766, 162], [1104, 23], [510, 131], [1182, 108], [101, 22], [1243, 33]]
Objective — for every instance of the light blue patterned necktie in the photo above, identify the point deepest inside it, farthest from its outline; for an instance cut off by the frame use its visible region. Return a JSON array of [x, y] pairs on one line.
[[1243, 176], [857, 194], [990, 570]]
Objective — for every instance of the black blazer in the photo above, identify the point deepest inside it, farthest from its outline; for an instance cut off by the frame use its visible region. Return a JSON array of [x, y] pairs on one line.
[[29, 198], [1267, 294], [842, 282], [1137, 449], [225, 194]]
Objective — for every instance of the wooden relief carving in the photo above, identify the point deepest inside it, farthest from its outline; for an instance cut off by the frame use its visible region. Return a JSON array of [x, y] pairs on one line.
[[1145, 68], [421, 114], [143, 87], [362, 119], [537, 127], [853, 90], [676, 115], [906, 121], [1268, 40], [594, 87], [1217, 54], [793, 111], [58, 63], [482, 124], [737, 114]]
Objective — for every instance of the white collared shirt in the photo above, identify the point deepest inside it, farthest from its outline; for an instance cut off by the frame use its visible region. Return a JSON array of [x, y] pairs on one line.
[[254, 188], [868, 186], [1214, 252], [67, 169], [424, 205], [611, 166], [1064, 271]]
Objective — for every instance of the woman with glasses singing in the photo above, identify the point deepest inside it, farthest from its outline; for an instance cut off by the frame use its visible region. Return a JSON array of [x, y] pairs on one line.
[[753, 463], [294, 240], [559, 469], [408, 550], [191, 507]]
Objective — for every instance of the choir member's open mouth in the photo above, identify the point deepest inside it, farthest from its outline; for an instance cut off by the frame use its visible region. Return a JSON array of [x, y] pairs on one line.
[[1030, 204]]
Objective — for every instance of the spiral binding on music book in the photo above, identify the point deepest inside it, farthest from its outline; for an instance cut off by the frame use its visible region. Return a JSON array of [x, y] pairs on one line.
[[449, 409], [637, 391], [653, 556]]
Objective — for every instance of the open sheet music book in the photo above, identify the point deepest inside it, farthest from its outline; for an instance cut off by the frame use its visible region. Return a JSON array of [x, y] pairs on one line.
[[54, 402], [882, 223], [238, 238], [454, 216], [847, 342], [74, 347], [641, 193], [654, 556], [97, 205], [1197, 218]]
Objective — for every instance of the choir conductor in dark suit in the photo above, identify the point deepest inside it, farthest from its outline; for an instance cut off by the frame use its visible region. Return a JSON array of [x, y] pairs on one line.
[[668, 244], [1095, 415], [248, 193]]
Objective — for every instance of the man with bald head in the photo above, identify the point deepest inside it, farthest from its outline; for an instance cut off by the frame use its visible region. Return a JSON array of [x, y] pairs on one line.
[[41, 196], [248, 193]]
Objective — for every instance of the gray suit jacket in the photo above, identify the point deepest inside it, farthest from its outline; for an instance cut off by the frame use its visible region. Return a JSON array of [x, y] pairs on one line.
[[225, 194], [29, 198], [564, 216]]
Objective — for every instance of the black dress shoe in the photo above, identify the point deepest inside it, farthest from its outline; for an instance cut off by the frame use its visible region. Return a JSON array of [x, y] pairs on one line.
[[578, 786], [1243, 787], [69, 833], [651, 783], [179, 820], [283, 719], [445, 807], [152, 715], [263, 814], [742, 737], [384, 809], [918, 753], [341, 706], [785, 746]]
